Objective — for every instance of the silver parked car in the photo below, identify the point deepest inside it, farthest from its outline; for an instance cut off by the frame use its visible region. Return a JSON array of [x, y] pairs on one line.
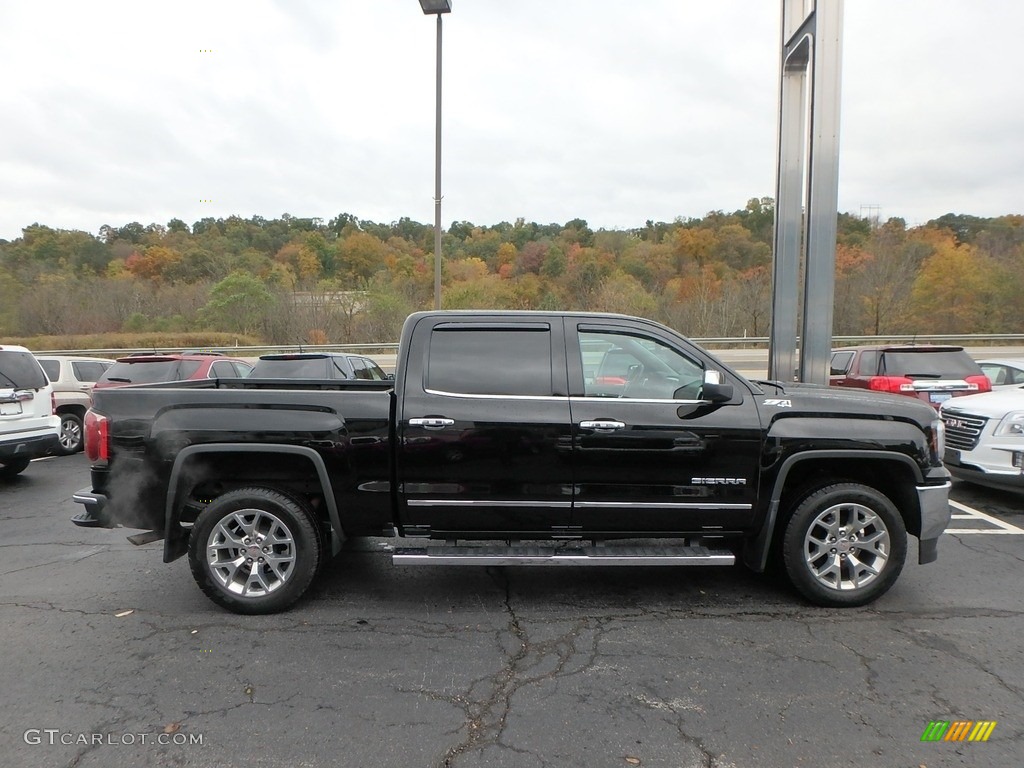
[[985, 438], [73, 379], [1004, 374]]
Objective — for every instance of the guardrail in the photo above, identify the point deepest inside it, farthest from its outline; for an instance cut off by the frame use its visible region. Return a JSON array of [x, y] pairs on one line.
[[746, 342]]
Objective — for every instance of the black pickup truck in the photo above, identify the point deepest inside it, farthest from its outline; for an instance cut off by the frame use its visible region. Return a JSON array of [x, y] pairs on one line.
[[529, 438]]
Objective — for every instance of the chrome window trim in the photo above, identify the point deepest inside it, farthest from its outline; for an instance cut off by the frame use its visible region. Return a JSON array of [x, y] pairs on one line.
[[477, 396], [560, 398]]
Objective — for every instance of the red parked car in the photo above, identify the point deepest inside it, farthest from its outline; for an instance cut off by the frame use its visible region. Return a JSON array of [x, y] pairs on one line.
[[930, 373], [151, 368]]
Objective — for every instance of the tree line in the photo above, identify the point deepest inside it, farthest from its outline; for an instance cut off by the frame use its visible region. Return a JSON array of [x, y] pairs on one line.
[[302, 280]]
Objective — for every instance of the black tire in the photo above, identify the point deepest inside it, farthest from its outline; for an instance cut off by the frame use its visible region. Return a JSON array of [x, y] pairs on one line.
[[254, 550], [71, 434], [12, 467], [844, 545]]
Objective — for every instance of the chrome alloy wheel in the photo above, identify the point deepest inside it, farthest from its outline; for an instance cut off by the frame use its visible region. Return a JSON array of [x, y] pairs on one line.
[[251, 553], [70, 434], [846, 547]]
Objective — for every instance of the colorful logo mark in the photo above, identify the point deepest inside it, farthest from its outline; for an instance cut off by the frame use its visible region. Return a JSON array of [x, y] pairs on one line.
[[958, 730]]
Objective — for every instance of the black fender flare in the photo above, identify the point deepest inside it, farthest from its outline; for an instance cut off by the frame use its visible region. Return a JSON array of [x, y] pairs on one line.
[[757, 548], [173, 546]]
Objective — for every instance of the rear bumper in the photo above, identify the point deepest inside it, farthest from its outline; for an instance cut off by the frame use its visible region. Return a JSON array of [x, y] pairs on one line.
[[28, 447], [93, 516]]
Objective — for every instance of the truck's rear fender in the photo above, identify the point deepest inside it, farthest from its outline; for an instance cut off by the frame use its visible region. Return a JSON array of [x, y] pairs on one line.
[[894, 474], [199, 470]]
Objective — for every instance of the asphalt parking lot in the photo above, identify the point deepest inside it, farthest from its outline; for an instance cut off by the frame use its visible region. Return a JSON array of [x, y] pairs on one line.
[[112, 658]]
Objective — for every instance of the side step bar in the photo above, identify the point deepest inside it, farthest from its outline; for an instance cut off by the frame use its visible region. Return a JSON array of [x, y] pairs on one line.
[[541, 555]]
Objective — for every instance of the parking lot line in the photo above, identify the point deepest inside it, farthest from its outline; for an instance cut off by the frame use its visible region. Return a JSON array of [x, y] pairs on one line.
[[1001, 527]]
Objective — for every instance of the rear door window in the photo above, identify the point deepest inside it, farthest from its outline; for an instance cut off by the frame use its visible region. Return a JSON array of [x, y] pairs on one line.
[[88, 370], [490, 360]]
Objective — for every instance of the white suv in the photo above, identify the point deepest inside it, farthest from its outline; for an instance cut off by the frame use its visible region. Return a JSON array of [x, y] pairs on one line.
[[72, 379], [28, 426]]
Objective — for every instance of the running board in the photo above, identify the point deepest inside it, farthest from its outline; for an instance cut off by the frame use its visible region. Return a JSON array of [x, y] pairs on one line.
[[539, 555]]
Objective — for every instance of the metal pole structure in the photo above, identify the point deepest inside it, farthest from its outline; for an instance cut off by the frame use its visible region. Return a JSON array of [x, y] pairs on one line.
[[807, 190], [437, 178]]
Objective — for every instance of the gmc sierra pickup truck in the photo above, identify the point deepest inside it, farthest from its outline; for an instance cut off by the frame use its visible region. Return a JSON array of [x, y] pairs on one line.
[[522, 438]]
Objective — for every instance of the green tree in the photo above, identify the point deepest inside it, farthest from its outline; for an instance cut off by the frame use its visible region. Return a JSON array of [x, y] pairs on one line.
[[239, 302]]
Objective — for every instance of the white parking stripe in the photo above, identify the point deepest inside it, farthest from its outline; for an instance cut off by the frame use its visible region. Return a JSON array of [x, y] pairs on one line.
[[1001, 527]]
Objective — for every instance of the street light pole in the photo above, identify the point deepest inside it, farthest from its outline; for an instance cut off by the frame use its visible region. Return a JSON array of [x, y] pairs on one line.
[[437, 7]]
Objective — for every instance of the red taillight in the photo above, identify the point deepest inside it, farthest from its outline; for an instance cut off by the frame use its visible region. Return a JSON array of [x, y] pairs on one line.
[[896, 384], [97, 436], [979, 383]]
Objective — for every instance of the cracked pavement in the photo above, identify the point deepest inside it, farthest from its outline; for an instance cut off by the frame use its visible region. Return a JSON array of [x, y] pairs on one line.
[[466, 667]]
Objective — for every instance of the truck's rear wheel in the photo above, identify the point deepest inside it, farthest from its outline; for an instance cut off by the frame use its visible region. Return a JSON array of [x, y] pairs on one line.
[[254, 550], [844, 545]]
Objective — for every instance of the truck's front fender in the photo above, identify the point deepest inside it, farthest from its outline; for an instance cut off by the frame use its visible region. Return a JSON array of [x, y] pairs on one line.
[[758, 547]]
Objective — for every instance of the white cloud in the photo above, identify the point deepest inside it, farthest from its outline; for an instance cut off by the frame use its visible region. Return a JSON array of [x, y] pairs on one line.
[[582, 108]]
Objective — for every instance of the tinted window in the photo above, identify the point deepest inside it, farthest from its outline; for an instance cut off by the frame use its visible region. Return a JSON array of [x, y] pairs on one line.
[[86, 370], [242, 369], [20, 370], [222, 369], [840, 363], [293, 368], [52, 368], [868, 364], [490, 361], [376, 372], [930, 365], [150, 371], [359, 368]]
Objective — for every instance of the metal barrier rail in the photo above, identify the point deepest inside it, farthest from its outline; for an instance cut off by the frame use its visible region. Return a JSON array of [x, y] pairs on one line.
[[748, 342]]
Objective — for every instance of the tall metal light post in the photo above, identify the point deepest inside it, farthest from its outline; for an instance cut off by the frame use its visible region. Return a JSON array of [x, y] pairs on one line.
[[437, 7]]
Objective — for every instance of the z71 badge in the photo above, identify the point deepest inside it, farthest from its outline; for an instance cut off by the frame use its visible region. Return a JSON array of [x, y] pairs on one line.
[[779, 403]]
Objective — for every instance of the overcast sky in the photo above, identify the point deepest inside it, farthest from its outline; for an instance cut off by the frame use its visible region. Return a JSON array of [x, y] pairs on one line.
[[613, 112]]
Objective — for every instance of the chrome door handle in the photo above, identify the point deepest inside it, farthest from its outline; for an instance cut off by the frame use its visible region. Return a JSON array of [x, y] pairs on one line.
[[603, 425], [433, 422]]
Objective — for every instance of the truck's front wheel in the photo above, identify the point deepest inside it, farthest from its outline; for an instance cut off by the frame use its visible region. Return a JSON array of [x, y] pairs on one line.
[[254, 550], [844, 545]]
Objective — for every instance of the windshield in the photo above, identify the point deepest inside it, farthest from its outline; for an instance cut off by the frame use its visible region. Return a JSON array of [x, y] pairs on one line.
[[20, 370]]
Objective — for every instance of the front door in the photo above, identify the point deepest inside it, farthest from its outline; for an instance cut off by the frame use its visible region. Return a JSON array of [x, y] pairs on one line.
[[649, 455]]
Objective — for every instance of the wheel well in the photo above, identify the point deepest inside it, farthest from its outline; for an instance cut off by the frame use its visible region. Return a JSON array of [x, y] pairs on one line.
[[78, 410], [206, 476], [894, 479]]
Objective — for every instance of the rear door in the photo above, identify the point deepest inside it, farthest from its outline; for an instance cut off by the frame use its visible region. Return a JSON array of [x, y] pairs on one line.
[[649, 455], [484, 440]]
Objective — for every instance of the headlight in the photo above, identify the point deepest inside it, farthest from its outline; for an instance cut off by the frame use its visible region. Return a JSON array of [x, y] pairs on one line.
[[1012, 425], [938, 440]]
